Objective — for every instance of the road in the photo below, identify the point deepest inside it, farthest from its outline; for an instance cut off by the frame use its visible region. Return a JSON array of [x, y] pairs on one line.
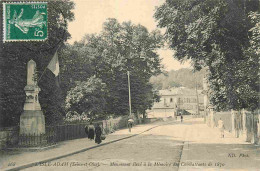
[[173, 146], [135, 153]]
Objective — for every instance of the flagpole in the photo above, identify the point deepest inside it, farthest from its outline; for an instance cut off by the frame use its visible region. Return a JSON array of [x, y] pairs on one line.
[[42, 74], [129, 89], [47, 66]]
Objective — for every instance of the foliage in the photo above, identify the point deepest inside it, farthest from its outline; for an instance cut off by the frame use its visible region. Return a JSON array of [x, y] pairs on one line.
[[73, 117], [108, 56], [75, 65], [215, 33], [14, 57], [182, 77], [87, 98]]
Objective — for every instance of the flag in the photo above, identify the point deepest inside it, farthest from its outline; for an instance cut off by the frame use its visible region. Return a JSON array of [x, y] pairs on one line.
[[54, 65]]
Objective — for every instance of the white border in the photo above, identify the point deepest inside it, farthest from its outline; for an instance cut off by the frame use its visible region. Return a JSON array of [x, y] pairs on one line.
[[4, 21], [4, 27]]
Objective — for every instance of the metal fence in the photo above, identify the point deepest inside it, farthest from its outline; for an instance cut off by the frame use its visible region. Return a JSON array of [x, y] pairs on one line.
[[54, 134], [58, 133]]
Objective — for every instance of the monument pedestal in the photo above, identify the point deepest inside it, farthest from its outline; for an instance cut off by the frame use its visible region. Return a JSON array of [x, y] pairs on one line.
[[32, 121]]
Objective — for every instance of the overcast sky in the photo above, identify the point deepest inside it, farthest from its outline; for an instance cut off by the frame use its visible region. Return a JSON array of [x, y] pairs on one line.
[[91, 14]]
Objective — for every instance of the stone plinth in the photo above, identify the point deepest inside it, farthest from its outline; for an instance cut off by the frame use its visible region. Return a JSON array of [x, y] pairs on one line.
[[32, 121]]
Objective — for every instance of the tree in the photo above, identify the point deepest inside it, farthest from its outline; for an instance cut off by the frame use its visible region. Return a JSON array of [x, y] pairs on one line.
[[75, 65], [88, 97], [183, 77], [14, 57], [207, 32], [117, 49]]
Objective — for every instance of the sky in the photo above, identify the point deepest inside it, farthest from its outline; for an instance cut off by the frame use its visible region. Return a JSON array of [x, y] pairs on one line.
[[91, 14]]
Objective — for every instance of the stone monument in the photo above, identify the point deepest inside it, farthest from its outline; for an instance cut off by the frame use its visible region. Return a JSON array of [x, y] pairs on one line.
[[32, 121]]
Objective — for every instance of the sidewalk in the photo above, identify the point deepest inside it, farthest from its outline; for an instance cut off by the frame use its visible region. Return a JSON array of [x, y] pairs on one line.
[[204, 149], [24, 159]]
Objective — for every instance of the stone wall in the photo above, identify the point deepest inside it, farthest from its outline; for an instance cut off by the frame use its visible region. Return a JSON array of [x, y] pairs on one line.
[[242, 124], [9, 136]]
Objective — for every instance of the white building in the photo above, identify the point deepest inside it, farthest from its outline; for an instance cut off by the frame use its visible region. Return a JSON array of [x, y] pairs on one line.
[[177, 99]]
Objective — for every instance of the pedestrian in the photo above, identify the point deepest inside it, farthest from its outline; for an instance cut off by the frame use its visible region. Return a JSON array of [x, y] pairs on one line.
[[98, 132], [181, 118], [130, 124], [86, 129], [91, 131], [221, 128]]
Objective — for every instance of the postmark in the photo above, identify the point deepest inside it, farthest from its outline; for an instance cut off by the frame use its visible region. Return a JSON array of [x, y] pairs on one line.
[[25, 21]]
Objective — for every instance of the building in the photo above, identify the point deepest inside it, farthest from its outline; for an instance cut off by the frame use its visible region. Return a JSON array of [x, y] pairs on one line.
[[177, 99]]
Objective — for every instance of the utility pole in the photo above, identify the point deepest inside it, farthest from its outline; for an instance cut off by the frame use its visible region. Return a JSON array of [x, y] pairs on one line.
[[129, 89], [198, 110]]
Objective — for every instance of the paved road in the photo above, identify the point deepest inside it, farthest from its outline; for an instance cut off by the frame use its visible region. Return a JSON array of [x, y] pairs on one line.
[[174, 146], [143, 152]]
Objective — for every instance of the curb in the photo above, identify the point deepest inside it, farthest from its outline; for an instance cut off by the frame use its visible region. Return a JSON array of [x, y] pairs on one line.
[[183, 154], [33, 148], [24, 166]]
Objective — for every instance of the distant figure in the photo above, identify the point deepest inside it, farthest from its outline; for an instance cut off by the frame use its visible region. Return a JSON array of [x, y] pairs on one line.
[[91, 131], [130, 124], [181, 118], [221, 128], [98, 132], [214, 122]]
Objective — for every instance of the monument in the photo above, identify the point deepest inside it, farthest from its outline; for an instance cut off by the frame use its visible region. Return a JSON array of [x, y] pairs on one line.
[[32, 121]]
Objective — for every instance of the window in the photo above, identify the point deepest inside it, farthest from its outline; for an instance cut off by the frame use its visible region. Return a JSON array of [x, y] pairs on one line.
[[171, 100]]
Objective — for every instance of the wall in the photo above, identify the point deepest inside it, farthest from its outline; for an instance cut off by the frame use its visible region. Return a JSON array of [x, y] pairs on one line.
[[248, 127], [8, 136], [225, 117], [161, 113], [113, 124]]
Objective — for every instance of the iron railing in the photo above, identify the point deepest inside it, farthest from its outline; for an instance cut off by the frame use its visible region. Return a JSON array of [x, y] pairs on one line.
[[58, 133]]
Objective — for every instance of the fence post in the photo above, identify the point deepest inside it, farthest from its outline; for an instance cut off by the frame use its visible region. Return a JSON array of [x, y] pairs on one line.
[[258, 127], [211, 112], [253, 131], [232, 121]]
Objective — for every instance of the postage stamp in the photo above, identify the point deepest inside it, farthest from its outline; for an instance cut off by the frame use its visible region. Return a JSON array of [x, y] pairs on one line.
[[25, 21]]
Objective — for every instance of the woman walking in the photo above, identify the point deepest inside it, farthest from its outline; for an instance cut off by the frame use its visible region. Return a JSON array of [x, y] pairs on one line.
[[91, 131], [98, 132]]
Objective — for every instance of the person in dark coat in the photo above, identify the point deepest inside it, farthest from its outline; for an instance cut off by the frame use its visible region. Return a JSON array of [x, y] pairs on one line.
[[86, 129], [91, 131], [98, 132]]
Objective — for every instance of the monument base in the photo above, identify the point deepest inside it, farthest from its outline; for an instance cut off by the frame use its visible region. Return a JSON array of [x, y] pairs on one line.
[[32, 129], [32, 122]]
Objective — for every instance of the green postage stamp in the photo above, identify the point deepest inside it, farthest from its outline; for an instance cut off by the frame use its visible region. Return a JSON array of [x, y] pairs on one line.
[[25, 21]]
